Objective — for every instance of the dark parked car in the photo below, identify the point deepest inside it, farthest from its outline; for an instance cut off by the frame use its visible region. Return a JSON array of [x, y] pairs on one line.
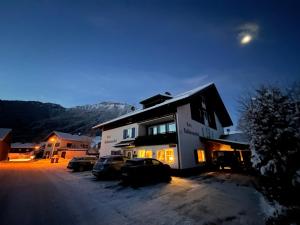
[[82, 163], [145, 170], [224, 159], [109, 166]]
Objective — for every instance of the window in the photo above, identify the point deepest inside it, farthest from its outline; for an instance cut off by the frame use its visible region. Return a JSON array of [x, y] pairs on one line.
[[148, 154], [169, 155], [57, 144], [141, 153], [145, 153], [171, 127], [200, 156], [69, 145], [162, 128], [129, 133], [165, 155], [49, 145], [155, 162], [160, 155]]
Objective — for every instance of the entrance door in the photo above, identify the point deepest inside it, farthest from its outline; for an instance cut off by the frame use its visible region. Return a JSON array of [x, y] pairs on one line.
[[63, 155], [128, 154]]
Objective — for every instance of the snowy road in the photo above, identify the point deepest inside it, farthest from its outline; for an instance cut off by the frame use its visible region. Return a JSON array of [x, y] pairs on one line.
[[41, 193]]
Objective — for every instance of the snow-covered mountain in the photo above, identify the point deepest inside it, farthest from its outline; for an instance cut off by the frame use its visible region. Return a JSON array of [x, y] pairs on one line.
[[32, 121]]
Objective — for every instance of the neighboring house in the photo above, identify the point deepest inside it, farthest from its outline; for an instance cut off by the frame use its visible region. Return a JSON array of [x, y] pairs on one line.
[[175, 130], [23, 151], [5, 140], [66, 145]]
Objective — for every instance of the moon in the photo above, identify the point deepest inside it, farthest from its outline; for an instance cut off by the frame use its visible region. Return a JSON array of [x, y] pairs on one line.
[[246, 39]]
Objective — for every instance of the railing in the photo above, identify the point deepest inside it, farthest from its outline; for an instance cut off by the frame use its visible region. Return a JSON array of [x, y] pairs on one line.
[[169, 138]]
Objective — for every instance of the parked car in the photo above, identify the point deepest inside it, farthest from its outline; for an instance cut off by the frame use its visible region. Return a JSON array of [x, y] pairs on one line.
[[145, 170], [82, 163], [224, 159], [109, 166]]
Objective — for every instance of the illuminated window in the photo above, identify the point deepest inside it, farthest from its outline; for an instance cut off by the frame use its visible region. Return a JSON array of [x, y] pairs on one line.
[[200, 156], [166, 155], [145, 154], [141, 153], [148, 154], [169, 155], [160, 155]]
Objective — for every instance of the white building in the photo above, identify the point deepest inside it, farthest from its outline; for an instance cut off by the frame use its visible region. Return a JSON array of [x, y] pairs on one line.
[[66, 145], [176, 130]]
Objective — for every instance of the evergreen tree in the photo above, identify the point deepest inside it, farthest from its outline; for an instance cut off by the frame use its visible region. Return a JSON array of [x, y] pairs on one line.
[[271, 119]]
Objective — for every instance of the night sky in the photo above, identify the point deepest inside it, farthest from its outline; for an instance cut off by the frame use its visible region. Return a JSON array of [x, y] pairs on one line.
[[85, 52]]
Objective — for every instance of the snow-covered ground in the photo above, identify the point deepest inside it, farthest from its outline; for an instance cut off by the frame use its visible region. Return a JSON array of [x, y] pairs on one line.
[[211, 198]]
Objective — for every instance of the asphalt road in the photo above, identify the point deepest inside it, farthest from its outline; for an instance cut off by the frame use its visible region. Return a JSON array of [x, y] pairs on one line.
[[41, 193]]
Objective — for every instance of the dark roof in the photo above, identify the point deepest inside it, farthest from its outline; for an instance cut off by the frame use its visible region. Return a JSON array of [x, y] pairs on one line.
[[23, 145], [239, 137], [210, 90], [4, 132], [233, 144], [154, 100]]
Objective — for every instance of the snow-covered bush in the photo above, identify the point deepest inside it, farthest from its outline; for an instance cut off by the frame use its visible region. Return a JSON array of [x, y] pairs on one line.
[[271, 119]]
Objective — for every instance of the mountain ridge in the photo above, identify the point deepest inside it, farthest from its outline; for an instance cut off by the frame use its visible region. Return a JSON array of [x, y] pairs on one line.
[[33, 120]]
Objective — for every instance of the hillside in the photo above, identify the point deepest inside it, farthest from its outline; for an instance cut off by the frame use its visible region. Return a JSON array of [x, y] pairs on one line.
[[32, 121]]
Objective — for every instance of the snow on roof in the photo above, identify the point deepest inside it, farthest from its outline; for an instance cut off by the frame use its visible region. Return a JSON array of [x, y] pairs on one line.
[[23, 145], [174, 99], [4, 132], [236, 137], [71, 137]]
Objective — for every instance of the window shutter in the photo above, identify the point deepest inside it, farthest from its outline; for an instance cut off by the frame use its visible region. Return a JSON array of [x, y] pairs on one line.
[[124, 134]]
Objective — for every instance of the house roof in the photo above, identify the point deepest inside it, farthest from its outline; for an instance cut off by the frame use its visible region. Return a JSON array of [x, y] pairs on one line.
[[236, 137], [227, 121], [67, 136], [234, 144], [23, 145], [4, 132]]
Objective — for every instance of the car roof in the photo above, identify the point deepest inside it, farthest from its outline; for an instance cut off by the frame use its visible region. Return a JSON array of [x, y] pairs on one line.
[[140, 159], [111, 156]]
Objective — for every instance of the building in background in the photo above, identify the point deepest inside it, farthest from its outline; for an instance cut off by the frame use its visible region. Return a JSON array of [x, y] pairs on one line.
[[175, 130], [23, 151], [66, 145], [5, 140]]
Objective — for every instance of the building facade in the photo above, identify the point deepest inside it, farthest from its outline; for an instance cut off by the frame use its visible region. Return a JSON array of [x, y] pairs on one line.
[[66, 145], [5, 140], [23, 151], [174, 130]]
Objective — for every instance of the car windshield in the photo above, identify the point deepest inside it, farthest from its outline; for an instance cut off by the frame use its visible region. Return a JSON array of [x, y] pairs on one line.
[[103, 160]]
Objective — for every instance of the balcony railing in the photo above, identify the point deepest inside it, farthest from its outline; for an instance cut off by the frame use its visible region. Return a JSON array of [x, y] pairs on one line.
[[159, 139]]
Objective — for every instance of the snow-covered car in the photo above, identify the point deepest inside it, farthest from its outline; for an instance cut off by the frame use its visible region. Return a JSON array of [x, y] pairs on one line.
[[109, 166], [82, 163], [145, 170]]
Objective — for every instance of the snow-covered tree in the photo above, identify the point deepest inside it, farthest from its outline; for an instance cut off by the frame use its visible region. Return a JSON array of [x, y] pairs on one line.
[[271, 119]]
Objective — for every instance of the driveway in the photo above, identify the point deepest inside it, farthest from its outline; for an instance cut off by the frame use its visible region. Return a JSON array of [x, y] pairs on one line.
[[35, 193]]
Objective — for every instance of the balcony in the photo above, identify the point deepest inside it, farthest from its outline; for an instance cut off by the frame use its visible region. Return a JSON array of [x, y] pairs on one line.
[[159, 139]]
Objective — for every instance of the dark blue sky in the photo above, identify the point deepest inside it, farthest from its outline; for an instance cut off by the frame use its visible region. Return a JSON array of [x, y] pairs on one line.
[[85, 52]]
